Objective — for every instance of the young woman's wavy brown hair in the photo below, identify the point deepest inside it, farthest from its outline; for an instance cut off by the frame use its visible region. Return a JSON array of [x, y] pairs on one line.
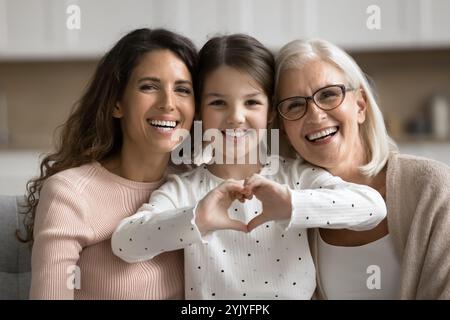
[[91, 133]]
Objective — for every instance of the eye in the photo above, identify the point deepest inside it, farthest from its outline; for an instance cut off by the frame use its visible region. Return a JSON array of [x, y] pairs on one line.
[[217, 103], [296, 104], [252, 102], [328, 95], [184, 91], [148, 87]]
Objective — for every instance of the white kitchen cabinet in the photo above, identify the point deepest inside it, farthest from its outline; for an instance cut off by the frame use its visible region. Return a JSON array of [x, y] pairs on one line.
[[349, 23], [103, 22], [435, 23], [23, 26], [37, 29]]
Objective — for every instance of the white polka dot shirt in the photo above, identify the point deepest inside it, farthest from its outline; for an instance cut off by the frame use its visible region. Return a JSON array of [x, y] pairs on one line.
[[271, 262]]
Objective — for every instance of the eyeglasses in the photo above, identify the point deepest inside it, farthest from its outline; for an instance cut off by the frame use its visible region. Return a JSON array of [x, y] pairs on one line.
[[326, 98]]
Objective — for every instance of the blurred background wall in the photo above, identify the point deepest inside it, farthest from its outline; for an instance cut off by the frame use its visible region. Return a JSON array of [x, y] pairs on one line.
[[49, 50]]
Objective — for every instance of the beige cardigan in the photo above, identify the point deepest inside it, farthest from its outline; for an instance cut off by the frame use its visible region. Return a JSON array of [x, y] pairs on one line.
[[418, 206]]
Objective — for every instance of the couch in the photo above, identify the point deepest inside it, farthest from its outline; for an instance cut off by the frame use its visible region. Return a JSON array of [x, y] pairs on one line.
[[15, 257]]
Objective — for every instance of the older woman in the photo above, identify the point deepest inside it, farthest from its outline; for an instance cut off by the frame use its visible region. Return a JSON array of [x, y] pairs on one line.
[[114, 151], [332, 120]]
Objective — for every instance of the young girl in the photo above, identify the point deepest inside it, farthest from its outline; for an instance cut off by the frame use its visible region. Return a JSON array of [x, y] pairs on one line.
[[199, 211]]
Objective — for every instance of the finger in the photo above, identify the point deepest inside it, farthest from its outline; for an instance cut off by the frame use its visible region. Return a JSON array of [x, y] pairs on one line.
[[246, 193], [232, 181], [241, 198], [236, 225], [259, 183], [249, 184], [253, 185], [249, 197], [256, 222], [251, 179], [238, 196], [234, 195], [232, 187]]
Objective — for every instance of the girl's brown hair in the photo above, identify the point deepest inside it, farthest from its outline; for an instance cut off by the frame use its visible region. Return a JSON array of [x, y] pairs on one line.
[[241, 52], [91, 133]]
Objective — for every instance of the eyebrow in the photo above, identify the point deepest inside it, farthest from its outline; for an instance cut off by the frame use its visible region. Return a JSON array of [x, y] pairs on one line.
[[219, 95], [182, 81], [254, 94]]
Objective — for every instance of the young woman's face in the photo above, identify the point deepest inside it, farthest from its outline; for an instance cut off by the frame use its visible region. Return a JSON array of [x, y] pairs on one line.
[[158, 99], [235, 104], [324, 138]]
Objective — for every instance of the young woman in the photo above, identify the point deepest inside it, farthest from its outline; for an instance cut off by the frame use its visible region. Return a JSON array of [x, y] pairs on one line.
[[406, 256], [197, 211], [113, 152]]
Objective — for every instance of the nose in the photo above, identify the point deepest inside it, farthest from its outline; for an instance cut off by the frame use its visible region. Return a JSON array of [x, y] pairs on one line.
[[314, 114], [167, 100], [236, 115]]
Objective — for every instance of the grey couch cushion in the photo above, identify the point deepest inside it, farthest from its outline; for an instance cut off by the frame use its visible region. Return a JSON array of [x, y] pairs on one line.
[[15, 257]]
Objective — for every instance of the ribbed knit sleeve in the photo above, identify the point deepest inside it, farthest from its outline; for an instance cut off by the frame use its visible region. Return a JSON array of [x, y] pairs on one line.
[[61, 231]]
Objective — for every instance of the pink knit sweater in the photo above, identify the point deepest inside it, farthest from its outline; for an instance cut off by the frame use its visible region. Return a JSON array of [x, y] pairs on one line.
[[78, 211]]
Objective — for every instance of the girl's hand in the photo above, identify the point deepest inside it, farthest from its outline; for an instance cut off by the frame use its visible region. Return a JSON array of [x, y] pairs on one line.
[[212, 210], [275, 198]]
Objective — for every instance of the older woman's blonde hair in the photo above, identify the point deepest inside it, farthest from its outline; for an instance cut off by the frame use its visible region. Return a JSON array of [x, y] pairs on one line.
[[373, 131]]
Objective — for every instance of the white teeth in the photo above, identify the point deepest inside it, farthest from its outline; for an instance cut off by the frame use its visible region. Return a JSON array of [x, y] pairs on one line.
[[235, 133], [322, 133], [164, 124]]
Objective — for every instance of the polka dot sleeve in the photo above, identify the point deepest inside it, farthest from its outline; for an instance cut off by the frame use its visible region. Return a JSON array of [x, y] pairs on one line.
[[147, 235], [320, 199], [163, 224]]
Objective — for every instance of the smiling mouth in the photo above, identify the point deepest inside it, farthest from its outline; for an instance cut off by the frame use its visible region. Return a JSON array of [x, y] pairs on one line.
[[322, 134], [163, 125], [234, 133]]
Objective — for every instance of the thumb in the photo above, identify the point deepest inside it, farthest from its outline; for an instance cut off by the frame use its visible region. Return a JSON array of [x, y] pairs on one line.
[[231, 187], [257, 221], [237, 225]]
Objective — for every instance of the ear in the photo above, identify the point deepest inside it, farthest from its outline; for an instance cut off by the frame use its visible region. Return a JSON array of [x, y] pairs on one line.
[[118, 110], [361, 101]]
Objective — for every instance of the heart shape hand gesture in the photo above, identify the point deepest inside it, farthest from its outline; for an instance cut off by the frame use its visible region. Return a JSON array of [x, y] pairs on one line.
[[212, 210], [275, 199]]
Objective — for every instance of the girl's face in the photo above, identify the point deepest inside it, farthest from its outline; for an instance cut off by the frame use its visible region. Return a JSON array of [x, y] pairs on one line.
[[328, 139], [157, 100], [235, 104]]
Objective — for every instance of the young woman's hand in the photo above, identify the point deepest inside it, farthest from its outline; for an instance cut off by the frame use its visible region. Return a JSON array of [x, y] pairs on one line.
[[212, 210], [275, 198]]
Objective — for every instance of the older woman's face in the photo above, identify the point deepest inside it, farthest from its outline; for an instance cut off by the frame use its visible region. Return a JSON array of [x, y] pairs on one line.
[[328, 139], [158, 99]]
